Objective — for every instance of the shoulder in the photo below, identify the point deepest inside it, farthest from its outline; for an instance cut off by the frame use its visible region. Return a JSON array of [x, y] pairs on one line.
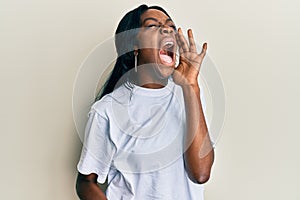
[[104, 105]]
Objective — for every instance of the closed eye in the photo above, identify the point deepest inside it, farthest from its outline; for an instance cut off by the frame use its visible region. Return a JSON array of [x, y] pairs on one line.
[[152, 26], [173, 27]]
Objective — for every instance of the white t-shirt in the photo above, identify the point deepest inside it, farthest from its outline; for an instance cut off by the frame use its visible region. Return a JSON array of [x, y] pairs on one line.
[[134, 136]]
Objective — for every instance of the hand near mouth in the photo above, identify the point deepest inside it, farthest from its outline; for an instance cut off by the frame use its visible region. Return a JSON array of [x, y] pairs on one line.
[[190, 61]]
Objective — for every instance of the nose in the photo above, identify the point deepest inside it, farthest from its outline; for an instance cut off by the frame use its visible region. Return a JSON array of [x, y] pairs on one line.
[[166, 30]]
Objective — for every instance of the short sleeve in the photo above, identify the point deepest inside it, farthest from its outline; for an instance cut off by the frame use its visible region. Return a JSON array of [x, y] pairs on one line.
[[98, 149]]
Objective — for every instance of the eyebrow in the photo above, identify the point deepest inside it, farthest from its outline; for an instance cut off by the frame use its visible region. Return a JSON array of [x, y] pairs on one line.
[[151, 18]]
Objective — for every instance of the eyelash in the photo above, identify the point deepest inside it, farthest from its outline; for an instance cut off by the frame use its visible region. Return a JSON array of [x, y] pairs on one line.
[[157, 26], [152, 26]]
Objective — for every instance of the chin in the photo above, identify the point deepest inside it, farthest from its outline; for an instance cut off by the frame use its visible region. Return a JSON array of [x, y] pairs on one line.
[[164, 71]]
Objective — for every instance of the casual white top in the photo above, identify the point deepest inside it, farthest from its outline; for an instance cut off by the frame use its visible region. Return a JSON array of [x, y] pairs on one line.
[[134, 136]]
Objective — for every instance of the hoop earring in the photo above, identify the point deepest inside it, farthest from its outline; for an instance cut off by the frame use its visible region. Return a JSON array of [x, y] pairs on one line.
[[135, 61]]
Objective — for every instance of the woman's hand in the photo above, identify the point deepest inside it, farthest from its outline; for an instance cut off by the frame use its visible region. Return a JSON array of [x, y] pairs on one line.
[[186, 73]]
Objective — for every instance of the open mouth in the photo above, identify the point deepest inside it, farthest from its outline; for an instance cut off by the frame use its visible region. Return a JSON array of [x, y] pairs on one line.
[[166, 52]]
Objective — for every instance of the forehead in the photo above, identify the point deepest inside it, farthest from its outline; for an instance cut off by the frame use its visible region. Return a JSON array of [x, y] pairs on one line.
[[153, 13]]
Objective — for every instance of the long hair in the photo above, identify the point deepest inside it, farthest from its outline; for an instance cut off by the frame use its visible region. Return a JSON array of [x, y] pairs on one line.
[[125, 39]]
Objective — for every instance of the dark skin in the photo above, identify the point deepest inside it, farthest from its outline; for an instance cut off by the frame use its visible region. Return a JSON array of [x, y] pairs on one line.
[[154, 73], [87, 187], [199, 154]]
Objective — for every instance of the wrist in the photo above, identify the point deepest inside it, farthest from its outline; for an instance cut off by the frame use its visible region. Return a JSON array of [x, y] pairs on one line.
[[195, 87], [191, 90]]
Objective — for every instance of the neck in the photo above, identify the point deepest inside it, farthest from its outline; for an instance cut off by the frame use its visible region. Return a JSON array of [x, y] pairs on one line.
[[150, 82], [143, 79], [153, 85]]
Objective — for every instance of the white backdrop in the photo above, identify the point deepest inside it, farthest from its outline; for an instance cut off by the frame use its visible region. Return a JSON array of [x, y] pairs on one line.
[[255, 45]]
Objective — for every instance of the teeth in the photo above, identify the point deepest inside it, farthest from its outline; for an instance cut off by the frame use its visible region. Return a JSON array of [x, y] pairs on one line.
[[169, 44]]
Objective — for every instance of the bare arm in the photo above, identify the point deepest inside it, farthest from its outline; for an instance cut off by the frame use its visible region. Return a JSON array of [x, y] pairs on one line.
[[88, 189], [199, 154]]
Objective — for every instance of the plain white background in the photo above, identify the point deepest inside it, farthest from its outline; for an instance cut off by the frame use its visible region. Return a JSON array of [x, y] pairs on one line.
[[255, 45]]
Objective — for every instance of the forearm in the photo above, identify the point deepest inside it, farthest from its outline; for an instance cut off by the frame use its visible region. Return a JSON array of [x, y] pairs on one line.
[[87, 190], [199, 154]]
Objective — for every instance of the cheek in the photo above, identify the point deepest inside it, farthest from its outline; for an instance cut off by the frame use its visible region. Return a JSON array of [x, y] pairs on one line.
[[148, 47], [148, 55], [148, 41]]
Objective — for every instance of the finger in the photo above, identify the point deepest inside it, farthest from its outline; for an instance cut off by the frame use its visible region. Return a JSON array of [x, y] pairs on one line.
[[192, 41], [183, 42], [203, 52], [179, 44]]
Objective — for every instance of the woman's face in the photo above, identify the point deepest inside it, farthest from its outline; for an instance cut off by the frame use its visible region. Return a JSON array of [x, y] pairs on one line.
[[157, 44]]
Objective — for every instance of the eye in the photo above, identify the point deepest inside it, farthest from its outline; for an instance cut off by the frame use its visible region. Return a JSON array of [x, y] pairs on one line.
[[173, 27], [152, 26]]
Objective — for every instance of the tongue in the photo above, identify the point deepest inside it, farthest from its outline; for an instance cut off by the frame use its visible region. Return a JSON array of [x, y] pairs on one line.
[[164, 57]]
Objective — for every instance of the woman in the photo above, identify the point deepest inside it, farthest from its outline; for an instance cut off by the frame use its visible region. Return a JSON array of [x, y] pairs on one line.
[[147, 132]]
